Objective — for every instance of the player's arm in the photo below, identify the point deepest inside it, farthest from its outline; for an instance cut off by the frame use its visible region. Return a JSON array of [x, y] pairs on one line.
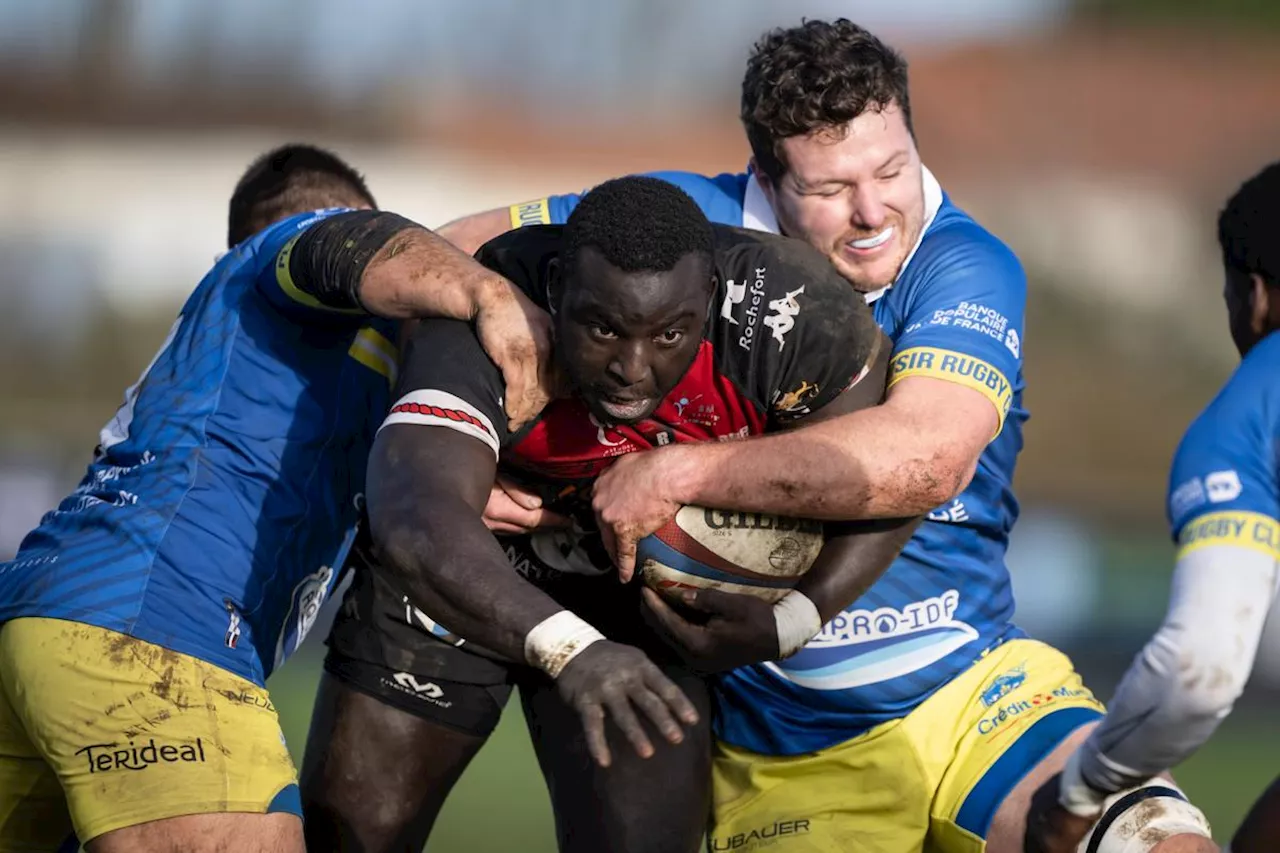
[[1223, 508], [380, 263], [950, 387], [471, 232], [429, 475]]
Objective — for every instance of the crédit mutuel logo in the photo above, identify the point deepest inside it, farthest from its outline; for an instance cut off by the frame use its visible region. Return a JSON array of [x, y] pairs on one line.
[[104, 757]]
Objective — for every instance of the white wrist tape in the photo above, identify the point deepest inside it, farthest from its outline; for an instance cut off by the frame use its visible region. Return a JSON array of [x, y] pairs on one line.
[[798, 622], [556, 640], [1074, 794], [1139, 819]]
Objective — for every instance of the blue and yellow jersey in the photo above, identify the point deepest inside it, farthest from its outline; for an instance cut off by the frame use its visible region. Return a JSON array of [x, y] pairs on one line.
[[224, 492], [955, 313], [1223, 486]]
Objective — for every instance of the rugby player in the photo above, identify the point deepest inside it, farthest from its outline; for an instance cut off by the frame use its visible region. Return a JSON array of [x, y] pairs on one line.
[[143, 616], [920, 716], [1224, 513], [651, 361]]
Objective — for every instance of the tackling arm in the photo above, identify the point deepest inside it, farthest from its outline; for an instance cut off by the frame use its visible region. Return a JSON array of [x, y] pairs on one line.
[[1184, 682], [917, 450]]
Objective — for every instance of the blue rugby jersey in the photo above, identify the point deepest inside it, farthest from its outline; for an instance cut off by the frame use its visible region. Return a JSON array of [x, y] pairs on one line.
[[955, 313], [1223, 486], [224, 495]]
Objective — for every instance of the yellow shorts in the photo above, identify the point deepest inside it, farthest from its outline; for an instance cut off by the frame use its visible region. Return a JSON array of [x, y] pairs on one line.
[[929, 781], [100, 731]]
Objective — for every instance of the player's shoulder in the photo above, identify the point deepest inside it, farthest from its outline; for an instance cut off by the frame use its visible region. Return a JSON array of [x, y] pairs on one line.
[[522, 256], [770, 285], [1230, 444], [719, 196], [1247, 403], [955, 250], [780, 264]]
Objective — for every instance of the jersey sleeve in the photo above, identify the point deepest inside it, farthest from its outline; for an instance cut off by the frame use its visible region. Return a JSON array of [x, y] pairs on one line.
[[804, 335], [965, 322], [274, 248], [448, 381], [1223, 484], [720, 198]]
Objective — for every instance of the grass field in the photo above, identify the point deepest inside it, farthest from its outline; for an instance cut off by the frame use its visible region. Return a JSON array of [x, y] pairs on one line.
[[501, 805]]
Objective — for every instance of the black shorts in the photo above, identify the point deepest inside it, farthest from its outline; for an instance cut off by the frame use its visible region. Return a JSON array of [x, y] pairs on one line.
[[382, 645]]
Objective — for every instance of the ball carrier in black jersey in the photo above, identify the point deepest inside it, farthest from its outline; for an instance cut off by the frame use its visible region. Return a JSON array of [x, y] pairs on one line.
[[668, 330]]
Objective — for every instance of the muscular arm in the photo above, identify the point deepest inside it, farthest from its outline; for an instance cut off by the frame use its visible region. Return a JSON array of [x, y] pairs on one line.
[[384, 264], [917, 450], [1184, 682], [427, 488], [388, 266]]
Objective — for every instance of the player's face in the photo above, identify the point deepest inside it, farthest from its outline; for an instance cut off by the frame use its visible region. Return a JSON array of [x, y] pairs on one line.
[[626, 339], [856, 195]]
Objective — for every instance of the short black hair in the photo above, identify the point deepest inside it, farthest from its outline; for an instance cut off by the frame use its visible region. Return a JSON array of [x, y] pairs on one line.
[[1249, 227], [638, 224], [817, 76], [289, 180]]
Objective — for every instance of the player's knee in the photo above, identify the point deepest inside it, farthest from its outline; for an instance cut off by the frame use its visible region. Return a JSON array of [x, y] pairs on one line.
[[1153, 818]]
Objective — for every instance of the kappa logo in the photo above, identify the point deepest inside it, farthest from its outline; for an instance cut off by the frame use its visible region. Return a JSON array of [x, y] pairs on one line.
[[734, 293], [427, 689], [783, 318]]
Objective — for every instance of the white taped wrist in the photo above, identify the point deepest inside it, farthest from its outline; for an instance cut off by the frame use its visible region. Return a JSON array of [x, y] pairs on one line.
[[1074, 794], [798, 622], [556, 640], [1138, 820]]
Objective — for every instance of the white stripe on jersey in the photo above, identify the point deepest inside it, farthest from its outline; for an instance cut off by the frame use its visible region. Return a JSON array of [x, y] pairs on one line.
[[429, 407]]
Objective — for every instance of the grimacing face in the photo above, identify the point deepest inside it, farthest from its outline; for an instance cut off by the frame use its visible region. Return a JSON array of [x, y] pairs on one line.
[[625, 339], [855, 193]]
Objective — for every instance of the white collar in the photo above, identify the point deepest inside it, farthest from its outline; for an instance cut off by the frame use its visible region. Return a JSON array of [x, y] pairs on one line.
[[759, 216]]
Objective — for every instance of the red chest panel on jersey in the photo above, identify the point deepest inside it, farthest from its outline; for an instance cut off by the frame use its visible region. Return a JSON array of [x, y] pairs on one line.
[[568, 443]]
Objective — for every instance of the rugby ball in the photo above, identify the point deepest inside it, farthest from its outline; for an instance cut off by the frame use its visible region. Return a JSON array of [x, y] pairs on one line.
[[741, 552]]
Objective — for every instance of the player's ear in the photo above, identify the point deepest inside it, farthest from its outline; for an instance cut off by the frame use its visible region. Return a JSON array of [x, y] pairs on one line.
[[1262, 305], [555, 285], [766, 183]]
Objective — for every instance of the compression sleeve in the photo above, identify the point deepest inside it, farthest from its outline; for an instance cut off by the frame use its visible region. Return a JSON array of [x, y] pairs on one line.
[[323, 265], [965, 321], [1183, 683]]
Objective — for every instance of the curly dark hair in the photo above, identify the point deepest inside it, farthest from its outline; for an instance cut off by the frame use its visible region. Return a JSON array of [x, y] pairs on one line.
[[821, 74], [638, 224], [289, 180], [1249, 224]]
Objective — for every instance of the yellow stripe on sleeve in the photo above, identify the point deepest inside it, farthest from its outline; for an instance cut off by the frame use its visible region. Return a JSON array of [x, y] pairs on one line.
[[955, 367], [285, 279], [530, 213], [1245, 529]]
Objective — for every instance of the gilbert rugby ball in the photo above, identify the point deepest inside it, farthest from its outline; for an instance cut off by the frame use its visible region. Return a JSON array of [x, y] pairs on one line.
[[739, 552]]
